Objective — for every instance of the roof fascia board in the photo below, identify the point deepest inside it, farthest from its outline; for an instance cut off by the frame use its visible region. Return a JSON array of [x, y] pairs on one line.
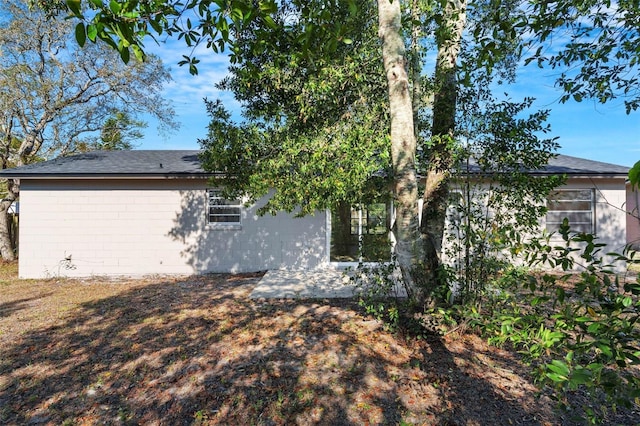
[[114, 177], [568, 175]]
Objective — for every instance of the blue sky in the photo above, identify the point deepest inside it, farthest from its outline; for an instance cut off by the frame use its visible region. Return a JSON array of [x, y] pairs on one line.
[[587, 129]]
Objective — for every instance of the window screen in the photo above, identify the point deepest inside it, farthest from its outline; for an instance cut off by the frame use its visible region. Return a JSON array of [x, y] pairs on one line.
[[577, 205], [222, 211]]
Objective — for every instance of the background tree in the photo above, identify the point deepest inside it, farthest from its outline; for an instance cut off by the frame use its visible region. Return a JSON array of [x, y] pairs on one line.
[[595, 45], [119, 131], [57, 98], [634, 175]]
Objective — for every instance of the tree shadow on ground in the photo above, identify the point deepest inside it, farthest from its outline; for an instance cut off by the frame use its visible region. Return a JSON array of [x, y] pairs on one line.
[[13, 306], [190, 351], [477, 388], [198, 351]]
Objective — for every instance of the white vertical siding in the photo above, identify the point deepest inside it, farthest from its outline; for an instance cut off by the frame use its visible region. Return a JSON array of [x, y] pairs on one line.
[[137, 227]]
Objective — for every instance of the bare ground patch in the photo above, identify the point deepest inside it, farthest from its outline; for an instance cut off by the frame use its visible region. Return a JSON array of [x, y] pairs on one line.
[[196, 350]]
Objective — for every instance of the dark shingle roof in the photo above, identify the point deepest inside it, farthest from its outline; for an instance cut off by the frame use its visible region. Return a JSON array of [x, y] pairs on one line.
[[570, 166], [565, 164], [157, 163], [165, 163]]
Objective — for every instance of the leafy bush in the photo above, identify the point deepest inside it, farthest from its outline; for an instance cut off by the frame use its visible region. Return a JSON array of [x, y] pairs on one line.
[[580, 329], [380, 292], [576, 322]]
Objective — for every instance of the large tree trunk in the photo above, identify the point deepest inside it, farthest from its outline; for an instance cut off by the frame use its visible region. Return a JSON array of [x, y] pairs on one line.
[[7, 251], [403, 146], [29, 146], [416, 67], [440, 163]]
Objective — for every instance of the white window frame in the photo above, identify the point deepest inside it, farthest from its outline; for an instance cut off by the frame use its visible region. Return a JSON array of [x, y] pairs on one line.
[[554, 224], [215, 201]]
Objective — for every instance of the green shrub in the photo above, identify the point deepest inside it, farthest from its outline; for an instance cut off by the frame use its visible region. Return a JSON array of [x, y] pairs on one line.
[[580, 329]]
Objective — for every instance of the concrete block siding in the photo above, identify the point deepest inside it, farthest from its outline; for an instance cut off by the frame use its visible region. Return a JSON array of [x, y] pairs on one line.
[[611, 217], [139, 226], [152, 226]]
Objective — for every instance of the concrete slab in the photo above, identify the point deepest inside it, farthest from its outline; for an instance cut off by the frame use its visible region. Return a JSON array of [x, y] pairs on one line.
[[317, 284], [321, 284]]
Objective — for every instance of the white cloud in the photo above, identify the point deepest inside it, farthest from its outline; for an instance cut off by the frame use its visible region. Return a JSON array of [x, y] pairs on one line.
[[187, 93]]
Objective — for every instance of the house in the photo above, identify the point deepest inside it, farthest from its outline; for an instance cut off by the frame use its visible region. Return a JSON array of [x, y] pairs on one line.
[[154, 212]]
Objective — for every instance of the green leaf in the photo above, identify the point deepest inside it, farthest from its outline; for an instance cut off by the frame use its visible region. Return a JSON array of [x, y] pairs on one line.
[[156, 26], [124, 31], [74, 6], [137, 52], [81, 35], [560, 368], [581, 376], [353, 7], [115, 6], [268, 6], [595, 367], [124, 54], [593, 328], [569, 356], [605, 349], [634, 176], [237, 14], [270, 22], [92, 32], [557, 377]]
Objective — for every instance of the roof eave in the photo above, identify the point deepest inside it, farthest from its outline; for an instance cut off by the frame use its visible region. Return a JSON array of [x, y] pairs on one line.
[[49, 176], [585, 175]]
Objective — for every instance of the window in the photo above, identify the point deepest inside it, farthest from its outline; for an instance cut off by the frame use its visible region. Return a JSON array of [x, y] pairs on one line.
[[222, 212], [360, 233], [370, 219], [577, 205]]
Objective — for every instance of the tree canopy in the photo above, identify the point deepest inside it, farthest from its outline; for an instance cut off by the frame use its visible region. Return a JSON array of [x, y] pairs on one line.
[[317, 131], [594, 44]]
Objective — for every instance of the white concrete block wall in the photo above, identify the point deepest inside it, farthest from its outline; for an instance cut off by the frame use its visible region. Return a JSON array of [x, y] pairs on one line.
[[610, 210], [137, 227]]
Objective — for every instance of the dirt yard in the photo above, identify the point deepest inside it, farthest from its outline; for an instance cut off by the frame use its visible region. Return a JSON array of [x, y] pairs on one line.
[[196, 350]]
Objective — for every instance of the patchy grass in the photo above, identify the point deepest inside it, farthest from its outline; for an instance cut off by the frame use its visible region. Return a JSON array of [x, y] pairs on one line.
[[8, 272], [196, 350]]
